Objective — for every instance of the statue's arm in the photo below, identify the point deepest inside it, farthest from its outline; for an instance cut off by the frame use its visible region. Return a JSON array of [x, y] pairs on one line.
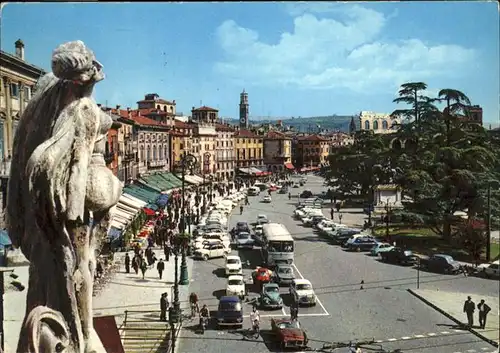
[[86, 126]]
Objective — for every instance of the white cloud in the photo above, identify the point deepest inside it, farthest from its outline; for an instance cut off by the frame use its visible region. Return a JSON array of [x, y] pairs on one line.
[[337, 52]]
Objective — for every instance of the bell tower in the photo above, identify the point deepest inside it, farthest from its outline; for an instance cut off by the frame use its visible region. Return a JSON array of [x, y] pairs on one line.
[[244, 110]]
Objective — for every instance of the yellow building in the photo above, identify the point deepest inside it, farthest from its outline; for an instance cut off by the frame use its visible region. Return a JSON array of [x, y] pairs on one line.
[[203, 120], [310, 152], [181, 142], [249, 149], [278, 151]]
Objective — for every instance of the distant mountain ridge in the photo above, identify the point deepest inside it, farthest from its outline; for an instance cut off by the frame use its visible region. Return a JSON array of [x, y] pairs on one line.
[[310, 124]]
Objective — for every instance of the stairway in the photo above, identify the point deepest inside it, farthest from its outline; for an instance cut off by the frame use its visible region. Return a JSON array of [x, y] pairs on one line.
[[142, 334]]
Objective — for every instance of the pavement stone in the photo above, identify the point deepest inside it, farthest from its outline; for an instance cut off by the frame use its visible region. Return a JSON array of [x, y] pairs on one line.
[[451, 305]]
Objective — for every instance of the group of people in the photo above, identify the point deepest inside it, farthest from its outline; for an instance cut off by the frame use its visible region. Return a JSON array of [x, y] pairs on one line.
[[142, 261], [470, 308]]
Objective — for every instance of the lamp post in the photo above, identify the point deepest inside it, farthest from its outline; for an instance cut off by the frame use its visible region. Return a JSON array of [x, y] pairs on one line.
[[188, 162], [387, 215], [210, 180], [206, 168]]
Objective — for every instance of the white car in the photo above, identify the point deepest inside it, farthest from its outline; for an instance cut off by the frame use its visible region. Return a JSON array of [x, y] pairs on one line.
[[490, 270], [211, 250], [207, 238], [233, 265], [301, 290], [236, 286], [267, 199]]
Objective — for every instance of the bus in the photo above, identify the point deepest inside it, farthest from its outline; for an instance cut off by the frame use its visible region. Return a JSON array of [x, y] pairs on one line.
[[278, 245]]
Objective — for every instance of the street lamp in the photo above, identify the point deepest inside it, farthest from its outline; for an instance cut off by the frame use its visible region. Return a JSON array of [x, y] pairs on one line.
[[387, 213], [188, 162], [206, 167], [210, 180]]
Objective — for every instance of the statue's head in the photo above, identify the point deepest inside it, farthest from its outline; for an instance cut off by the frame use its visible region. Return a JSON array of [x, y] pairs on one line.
[[75, 62]]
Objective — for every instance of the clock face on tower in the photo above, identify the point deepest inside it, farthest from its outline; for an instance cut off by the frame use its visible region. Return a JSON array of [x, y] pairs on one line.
[[242, 120]]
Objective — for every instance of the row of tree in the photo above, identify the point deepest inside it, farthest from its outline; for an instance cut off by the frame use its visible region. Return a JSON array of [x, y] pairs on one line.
[[443, 160]]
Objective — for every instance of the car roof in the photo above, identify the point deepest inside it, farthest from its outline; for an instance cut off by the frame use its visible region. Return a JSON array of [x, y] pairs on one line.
[[302, 281], [229, 299], [262, 216], [233, 257], [271, 285], [284, 266], [235, 277]]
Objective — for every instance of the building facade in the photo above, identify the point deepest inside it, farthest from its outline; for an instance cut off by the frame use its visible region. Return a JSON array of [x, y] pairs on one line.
[[379, 123], [277, 149], [203, 120], [249, 149], [340, 139], [17, 82], [310, 151], [225, 152], [181, 142]]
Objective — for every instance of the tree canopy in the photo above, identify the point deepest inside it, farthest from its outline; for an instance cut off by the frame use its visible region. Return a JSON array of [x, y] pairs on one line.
[[444, 161]]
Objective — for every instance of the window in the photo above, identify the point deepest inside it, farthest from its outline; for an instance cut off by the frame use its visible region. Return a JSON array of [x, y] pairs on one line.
[[375, 125], [27, 92], [385, 125], [143, 157], [160, 153], [165, 152], [148, 153], [14, 90], [367, 125]]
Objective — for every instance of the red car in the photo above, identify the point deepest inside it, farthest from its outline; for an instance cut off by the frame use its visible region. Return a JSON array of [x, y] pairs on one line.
[[288, 333], [262, 275]]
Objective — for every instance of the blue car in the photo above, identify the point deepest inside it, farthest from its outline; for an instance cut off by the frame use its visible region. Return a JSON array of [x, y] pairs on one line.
[[230, 311]]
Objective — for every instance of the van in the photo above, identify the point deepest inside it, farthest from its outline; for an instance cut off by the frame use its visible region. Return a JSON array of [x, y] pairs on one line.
[[230, 312], [253, 191]]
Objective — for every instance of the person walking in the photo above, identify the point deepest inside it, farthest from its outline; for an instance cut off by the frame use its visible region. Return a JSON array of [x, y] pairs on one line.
[[166, 250], [332, 213], [163, 307], [469, 308], [144, 267], [127, 263], [337, 206], [135, 264], [483, 309], [160, 267]]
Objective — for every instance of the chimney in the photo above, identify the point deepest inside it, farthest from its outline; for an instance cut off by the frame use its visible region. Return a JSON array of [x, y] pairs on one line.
[[118, 107], [19, 49]]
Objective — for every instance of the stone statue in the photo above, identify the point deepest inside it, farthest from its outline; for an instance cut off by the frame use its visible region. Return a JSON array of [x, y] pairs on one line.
[[59, 196]]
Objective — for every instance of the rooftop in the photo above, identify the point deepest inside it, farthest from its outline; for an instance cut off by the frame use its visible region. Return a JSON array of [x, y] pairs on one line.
[[204, 109], [245, 134]]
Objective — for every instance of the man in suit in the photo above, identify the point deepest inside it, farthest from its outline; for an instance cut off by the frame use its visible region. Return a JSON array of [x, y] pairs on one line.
[[483, 309], [469, 308]]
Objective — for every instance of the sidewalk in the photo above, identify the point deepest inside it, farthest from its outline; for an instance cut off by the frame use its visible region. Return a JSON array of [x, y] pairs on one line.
[[352, 217], [450, 304]]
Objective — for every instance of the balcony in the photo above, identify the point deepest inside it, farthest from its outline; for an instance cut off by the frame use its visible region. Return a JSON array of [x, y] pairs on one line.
[[156, 164]]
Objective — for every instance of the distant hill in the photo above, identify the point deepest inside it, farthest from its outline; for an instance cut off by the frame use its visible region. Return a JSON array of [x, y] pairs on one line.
[[309, 124]]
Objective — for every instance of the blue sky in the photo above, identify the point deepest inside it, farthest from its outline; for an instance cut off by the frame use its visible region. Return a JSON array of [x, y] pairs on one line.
[[294, 59]]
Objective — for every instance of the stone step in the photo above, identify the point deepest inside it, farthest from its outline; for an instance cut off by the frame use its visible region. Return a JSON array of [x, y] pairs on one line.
[[145, 336]]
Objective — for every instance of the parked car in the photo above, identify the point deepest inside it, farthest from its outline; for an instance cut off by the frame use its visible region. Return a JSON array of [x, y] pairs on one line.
[[270, 297], [399, 256], [242, 227], [490, 270], [341, 234], [302, 292], [306, 193], [283, 190], [236, 286], [244, 241], [230, 311], [353, 238], [310, 221], [233, 265], [362, 244], [440, 263], [283, 275], [381, 247], [267, 199], [289, 334], [211, 250]]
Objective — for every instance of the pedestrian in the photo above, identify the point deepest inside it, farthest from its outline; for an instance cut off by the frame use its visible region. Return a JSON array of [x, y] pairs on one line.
[[160, 267], [166, 250], [335, 200], [144, 268], [135, 264], [469, 308], [332, 213], [294, 310], [484, 309], [163, 307], [127, 263], [337, 206]]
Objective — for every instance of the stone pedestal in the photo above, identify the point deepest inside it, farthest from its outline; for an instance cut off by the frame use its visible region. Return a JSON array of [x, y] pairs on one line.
[[386, 195]]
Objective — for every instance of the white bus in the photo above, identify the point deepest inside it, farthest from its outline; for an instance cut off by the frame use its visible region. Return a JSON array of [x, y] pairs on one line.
[[278, 245]]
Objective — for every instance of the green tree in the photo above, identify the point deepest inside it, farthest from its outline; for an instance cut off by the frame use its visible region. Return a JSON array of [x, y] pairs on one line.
[[447, 167]]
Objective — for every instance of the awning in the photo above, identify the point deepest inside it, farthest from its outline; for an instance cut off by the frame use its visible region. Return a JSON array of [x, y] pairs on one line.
[[4, 239], [190, 179], [142, 192], [152, 207], [244, 170], [131, 201], [116, 224], [289, 166], [259, 171], [162, 200], [149, 212], [114, 233]]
